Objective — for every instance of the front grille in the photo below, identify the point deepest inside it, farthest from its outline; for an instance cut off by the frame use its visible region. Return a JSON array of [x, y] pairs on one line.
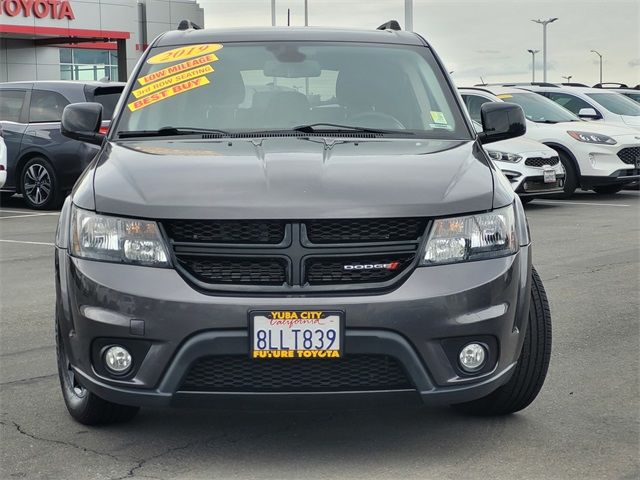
[[226, 231], [541, 162], [294, 256], [365, 230], [236, 271], [629, 155], [239, 373], [355, 270]]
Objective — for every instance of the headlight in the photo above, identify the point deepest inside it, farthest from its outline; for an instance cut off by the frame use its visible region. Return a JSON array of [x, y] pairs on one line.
[[472, 237], [504, 156], [115, 239], [587, 137]]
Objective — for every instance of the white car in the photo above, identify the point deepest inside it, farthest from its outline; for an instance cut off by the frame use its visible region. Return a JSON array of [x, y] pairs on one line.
[[595, 104], [595, 156], [3, 160], [533, 169]]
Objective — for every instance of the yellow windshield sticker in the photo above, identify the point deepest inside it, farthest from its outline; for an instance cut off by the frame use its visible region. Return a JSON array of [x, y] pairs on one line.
[[504, 95], [177, 68], [168, 93], [169, 81], [182, 53], [438, 117]]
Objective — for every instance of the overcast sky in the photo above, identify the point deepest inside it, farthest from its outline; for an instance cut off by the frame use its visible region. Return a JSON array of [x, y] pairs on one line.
[[481, 37]]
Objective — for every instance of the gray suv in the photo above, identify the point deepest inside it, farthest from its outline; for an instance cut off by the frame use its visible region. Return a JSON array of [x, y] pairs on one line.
[[279, 216]]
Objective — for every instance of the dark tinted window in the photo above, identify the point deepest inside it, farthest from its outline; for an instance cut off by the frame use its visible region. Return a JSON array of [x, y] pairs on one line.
[[108, 97], [633, 96], [570, 102], [473, 104], [11, 102], [46, 106]]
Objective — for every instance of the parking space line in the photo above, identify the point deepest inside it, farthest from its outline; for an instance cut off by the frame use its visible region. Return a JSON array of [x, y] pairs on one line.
[[28, 243], [20, 211], [562, 202], [32, 215]]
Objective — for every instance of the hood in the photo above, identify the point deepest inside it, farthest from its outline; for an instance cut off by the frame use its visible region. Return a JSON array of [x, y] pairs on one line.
[[291, 178], [522, 145], [631, 121]]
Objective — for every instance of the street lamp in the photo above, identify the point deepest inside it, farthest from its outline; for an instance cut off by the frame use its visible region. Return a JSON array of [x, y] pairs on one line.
[[408, 15], [568, 78], [597, 53], [544, 24], [273, 13], [533, 64]]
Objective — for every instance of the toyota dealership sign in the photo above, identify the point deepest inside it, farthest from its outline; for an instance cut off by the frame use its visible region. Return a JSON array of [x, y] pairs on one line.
[[55, 9]]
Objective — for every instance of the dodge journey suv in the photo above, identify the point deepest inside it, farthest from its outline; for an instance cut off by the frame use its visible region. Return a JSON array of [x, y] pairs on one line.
[[278, 216]]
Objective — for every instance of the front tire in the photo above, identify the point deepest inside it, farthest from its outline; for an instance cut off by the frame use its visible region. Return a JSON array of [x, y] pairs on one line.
[[608, 189], [531, 370], [39, 185], [571, 180], [84, 406]]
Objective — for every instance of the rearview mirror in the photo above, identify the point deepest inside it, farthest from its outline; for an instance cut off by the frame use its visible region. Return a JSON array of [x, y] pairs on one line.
[[81, 121], [304, 69], [589, 113], [501, 121]]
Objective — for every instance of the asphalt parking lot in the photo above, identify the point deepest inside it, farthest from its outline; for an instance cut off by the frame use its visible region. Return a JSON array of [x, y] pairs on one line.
[[585, 424]]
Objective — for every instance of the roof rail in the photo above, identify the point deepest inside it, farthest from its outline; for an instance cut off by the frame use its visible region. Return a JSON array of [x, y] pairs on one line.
[[188, 25], [610, 85], [521, 84], [574, 84], [390, 25]]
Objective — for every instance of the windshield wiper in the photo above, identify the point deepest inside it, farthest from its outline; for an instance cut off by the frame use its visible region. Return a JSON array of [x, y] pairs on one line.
[[170, 131], [336, 127]]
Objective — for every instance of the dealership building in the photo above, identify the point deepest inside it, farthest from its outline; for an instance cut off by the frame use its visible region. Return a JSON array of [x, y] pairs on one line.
[[83, 39]]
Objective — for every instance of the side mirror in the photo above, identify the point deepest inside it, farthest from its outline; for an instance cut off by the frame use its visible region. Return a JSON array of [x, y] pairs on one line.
[[501, 121], [589, 113], [81, 121]]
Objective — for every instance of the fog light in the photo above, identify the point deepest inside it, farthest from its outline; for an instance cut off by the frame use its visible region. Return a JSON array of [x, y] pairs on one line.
[[117, 359], [472, 357]]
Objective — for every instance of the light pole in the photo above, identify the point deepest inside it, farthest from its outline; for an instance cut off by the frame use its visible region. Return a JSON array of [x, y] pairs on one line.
[[544, 24], [408, 15], [533, 64], [598, 53], [568, 78], [273, 13], [306, 13]]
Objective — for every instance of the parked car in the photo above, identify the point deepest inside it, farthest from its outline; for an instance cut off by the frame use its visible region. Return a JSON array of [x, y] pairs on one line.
[[3, 159], [595, 156], [533, 169], [219, 252], [596, 104], [42, 164]]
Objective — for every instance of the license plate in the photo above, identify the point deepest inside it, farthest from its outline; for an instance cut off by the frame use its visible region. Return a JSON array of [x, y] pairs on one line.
[[549, 176], [296, 334]]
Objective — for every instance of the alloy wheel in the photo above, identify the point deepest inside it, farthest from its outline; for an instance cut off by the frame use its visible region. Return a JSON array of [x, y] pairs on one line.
[[37, 184]]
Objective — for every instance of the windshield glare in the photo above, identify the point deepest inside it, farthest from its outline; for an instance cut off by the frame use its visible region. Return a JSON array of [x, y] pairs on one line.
[[616, 103], [540, 109], [269, 86]]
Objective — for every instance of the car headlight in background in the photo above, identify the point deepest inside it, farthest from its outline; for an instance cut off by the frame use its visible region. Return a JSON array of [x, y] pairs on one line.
[[504, 156], [587, 137], [116, 239], [472, 237]]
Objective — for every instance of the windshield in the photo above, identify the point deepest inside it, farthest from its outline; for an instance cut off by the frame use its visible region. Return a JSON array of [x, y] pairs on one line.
[[262, 87], [616, 103], [540, 109]]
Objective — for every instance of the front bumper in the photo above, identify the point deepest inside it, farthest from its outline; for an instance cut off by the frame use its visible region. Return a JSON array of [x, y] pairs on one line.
[[180, 325]]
